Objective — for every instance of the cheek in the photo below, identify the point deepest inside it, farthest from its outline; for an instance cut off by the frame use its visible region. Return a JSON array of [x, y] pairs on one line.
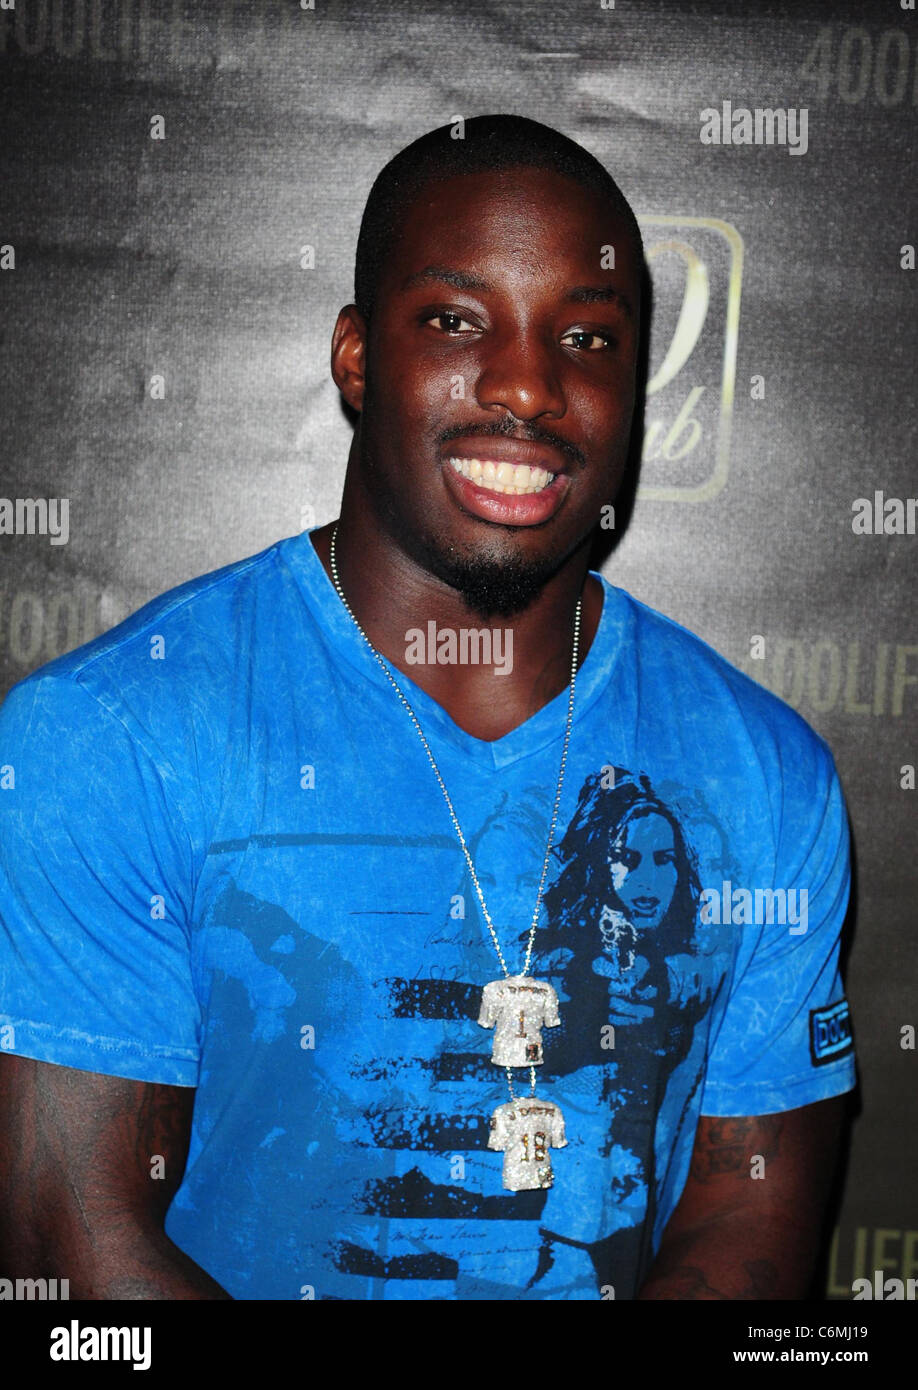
[[598, 420], [425, 397], [606, 413], [435, 390]]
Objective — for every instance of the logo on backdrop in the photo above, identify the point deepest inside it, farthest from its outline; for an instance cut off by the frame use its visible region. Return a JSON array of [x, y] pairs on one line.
[[696, 264]]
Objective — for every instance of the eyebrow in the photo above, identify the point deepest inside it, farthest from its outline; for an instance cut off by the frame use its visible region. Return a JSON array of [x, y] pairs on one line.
[[599, 294], [462, 280]]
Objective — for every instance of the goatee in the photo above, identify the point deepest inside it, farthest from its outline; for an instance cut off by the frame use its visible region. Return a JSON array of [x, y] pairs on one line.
[[494, 588]]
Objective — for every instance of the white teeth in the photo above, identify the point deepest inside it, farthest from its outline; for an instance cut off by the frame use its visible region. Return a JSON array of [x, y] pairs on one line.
[[515, 479]]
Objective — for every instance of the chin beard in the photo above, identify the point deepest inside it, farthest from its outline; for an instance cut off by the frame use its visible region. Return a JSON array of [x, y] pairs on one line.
[[494, 588]]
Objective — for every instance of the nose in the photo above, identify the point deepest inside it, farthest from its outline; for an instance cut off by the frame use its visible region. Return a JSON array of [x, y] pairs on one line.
[[520, 374], [640, 881]]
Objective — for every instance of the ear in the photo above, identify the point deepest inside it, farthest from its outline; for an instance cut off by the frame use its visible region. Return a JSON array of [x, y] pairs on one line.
[[348, 355]]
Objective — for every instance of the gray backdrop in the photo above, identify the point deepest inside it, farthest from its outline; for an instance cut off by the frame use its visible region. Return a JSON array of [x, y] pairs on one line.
[[165, 354]]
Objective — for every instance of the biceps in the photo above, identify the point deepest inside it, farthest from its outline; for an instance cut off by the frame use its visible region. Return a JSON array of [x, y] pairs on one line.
[[81, 1154], [773, 1166]]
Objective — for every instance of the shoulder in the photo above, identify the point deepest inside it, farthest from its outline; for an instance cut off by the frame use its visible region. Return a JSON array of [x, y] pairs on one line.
[[704, 690], [203, 606], [162, 685], [179, 642]]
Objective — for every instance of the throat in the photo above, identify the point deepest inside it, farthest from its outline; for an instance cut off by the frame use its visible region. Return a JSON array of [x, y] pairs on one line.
[[491, 680], [473, 703], [488, 676]]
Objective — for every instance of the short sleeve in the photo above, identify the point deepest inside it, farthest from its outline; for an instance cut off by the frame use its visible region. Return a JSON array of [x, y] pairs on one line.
[[784, 1039], [95, 894], [497, 1138], [487, 1017], [558, 1136], [552, 1017]]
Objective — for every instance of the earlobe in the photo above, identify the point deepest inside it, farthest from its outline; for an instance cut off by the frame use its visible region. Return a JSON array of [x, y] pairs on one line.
[[348, 355]]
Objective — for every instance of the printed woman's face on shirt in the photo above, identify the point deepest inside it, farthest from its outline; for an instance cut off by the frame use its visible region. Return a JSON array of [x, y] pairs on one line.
[[642, 867]]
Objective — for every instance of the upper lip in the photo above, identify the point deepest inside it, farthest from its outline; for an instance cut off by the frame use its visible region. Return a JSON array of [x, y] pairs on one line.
[[504, 450]]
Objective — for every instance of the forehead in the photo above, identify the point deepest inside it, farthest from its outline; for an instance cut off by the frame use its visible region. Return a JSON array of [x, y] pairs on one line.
[[514, 223], [645, 825]]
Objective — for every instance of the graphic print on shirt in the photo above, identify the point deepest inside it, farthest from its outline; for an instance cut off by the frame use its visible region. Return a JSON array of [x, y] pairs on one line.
[[397, 1179], [621, 940], [618, 943]]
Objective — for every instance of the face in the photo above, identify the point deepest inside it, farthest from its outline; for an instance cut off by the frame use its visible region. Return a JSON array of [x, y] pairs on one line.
[[642, 866], [497, 859], [501, 354]]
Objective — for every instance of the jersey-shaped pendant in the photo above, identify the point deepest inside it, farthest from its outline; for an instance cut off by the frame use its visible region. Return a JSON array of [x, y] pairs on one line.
[[525, 1130], [518, 1008]]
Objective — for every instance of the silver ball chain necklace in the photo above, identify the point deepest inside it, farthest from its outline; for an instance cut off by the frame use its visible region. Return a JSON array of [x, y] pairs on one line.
[[516, 1006]]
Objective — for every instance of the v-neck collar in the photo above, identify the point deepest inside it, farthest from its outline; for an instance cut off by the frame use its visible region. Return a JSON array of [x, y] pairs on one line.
[[538, 731]]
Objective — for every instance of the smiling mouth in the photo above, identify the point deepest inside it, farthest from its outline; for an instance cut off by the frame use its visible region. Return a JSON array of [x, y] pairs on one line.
[[517, 479]]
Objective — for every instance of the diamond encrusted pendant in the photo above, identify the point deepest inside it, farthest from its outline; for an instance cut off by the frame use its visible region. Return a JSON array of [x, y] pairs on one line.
[[525, 1130], [518, 1008]]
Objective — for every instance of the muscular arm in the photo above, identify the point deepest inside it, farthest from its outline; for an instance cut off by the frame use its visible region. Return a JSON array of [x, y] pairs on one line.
[[735, 1236], [78, 1199]]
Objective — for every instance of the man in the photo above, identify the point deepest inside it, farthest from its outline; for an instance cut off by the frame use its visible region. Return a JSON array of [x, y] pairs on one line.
[[271, 838]]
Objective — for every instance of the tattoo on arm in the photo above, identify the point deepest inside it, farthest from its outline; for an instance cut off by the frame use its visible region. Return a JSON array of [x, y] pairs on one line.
[[762, 1279], [689, 1282], [731, 1142]]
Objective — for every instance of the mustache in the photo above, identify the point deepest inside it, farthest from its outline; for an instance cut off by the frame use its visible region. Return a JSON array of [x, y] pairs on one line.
[[513, 429]]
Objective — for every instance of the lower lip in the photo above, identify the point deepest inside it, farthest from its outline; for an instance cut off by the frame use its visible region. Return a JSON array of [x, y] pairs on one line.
[[507, 509]]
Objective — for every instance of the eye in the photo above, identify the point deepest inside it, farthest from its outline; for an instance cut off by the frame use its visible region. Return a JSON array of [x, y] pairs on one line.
[[450, 321], [603, 340]]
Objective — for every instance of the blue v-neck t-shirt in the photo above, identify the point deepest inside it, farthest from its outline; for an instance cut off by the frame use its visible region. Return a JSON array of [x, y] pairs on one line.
[[225, 863]]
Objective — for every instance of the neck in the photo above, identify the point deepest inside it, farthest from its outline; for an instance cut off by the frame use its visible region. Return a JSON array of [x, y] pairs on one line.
[[408, 613]]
